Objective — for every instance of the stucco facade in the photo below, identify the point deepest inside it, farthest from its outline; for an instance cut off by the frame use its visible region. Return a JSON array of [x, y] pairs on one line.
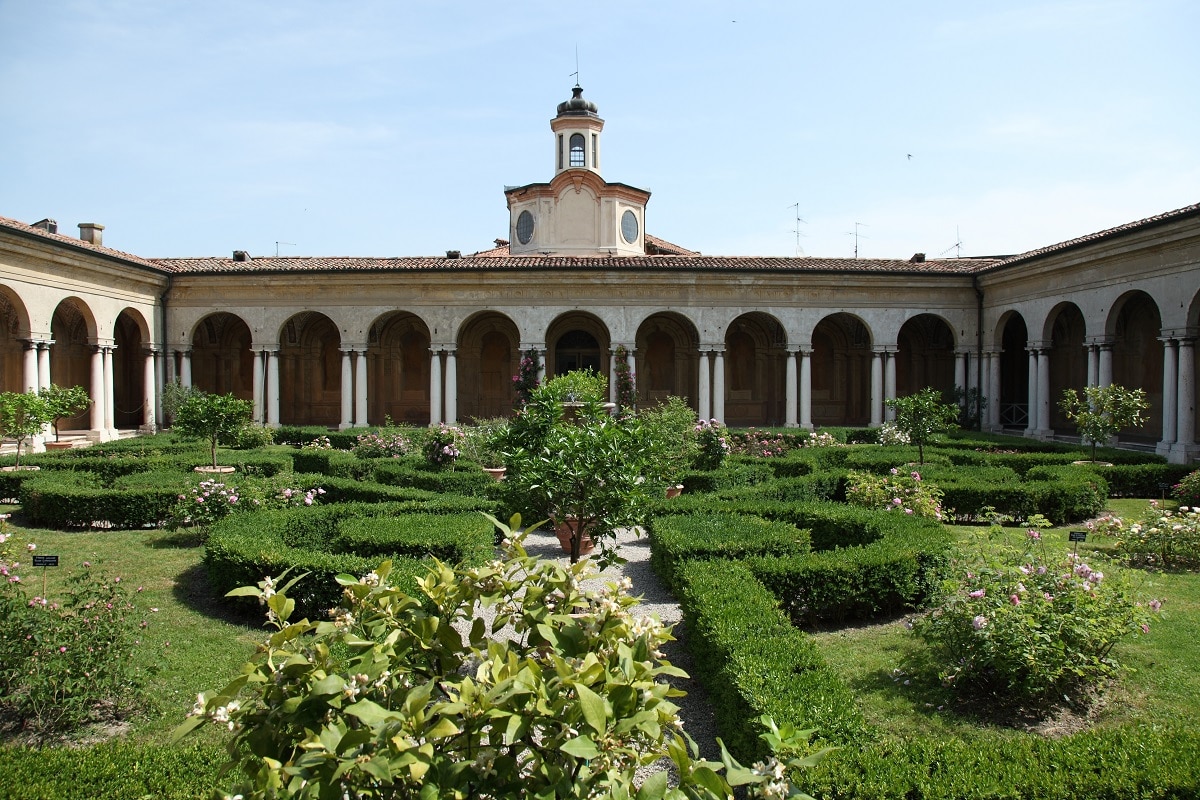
[[800, 342]]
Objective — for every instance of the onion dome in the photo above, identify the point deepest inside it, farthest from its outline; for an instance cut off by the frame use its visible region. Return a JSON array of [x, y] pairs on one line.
[[577, 106]]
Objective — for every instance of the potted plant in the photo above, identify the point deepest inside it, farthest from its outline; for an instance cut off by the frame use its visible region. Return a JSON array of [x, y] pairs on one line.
[[586, 474], [201, 415], [62, 403], [1102, 412], [482, 443], [671, 438], [22, 416]]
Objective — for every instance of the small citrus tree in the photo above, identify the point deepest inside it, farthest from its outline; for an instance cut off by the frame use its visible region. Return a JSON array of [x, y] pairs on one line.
[[1101, 412], [62, 403], [211, 416], [22, 415], [923, 414]]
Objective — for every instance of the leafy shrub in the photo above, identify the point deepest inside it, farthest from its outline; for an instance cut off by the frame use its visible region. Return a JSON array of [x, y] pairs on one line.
[[891, 435], [205, 502], [899, 493], [712, 444], [1031, 631], [65, 500], [446, 537], [441, 446], [570, 707], [1187, 491], [763, 444], [1163, 539], [250, 436], [388, 443], [675, 539]]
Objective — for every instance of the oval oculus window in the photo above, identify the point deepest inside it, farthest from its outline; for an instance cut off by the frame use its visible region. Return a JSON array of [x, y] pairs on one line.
[[629, 227], [525, 227]]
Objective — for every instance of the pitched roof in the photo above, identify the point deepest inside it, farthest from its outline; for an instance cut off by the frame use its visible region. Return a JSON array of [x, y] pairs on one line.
[[30, 230]]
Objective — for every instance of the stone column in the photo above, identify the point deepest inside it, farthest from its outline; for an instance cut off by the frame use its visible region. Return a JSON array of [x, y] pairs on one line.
[[30, 381], [1093, 364], [704, 401], [960, 371], [541, 365], [889, 384], [171, 371], [451, 387], [97, 393], [259, 388], [347, 420], [1184, 448], [993, 396], [110, 424], [1044, 430], [149, 424], [612, 375], [185, 368], [1170, 396], [435, 387], [631, 362], [272, 388], [1106, 367], [360, 388], [43, 365], [806, 390], [719, 385], [876, 388], [159, 383], [1031, 416], [789, 414]]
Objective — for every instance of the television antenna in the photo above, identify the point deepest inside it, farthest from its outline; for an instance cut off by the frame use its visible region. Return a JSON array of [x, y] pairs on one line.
[[857, 235], [796, 230], [956, 247], [289, 244]]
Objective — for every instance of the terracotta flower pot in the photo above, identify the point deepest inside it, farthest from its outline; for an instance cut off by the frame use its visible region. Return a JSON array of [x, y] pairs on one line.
[[674, 491], [564, 529], [497, 473]]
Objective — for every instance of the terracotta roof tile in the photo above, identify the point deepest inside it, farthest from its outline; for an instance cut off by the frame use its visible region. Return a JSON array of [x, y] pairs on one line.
[[22, 227]]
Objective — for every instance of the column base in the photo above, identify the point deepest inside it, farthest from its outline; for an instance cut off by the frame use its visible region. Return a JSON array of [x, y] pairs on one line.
[[1183, 453], [148, 430], [1044, 434], [1164, 448]]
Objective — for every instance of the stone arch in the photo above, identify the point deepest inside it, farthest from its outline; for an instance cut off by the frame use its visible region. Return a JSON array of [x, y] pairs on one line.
[[73, 329], [1066, 330], [223, 355], [131, 335], [841, 371], [310, 370], [925, 355], [398, 363], [667, 359], [755, 367], [577, 340], [1013, 337], [14, 329], [1134, 324], [489, 353]]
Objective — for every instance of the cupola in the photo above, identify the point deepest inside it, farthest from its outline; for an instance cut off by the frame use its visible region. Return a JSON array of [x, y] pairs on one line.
[[577, 134]]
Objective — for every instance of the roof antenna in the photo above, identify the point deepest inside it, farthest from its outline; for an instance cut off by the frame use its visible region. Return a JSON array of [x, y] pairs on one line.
[[289, 244], [956, 247], [575, 74], [796, 230], [857, 235]]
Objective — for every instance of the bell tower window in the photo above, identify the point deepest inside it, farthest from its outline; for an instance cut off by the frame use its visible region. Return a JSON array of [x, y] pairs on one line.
[[577, 150]]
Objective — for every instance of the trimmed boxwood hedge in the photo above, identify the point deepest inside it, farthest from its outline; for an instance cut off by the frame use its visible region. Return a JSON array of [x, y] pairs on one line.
[[1123, 480], [243, 548], [66, 500], [446, 537], [300, 435], [465, 479], [676, 539], [753, 661]]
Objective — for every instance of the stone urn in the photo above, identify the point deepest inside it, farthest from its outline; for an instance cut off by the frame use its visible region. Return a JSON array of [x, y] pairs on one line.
[[215, 470], [497, 473]]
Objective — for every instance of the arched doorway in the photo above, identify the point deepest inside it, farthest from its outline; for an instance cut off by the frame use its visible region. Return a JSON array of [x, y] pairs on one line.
[[488, 357], [577, 342], [12, 349], [1014, 372], [1068, 361], [398, 361], [667, 360], [755, 366], [841, 371], [1138, 359], [129, 374], [72, 329], [310, 371], [925, 356], [222, 359]]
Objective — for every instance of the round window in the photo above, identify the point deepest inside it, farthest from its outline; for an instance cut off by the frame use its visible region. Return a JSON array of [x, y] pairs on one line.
[[629, 227], [525, 227]]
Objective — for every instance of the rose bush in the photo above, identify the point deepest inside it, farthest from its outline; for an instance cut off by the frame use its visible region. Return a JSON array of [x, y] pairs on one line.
[[899, 492]]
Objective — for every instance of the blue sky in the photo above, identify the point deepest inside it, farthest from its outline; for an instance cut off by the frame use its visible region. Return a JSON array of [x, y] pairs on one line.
[[391, 128]]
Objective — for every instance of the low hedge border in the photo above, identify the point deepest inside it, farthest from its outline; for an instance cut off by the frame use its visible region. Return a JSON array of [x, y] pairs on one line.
[[446, 537], [300, 435], [753, 662], [1123, 480], [707, 537], [1071, 497], [65, 500], [243, 548]]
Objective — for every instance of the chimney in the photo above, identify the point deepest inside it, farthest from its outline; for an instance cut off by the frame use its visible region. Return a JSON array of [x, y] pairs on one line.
[[48, 225], [918, 258], [453, 254], [241, 255], [92, 233]]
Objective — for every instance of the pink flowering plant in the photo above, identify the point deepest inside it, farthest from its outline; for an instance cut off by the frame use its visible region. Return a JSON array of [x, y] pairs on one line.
[[761, 444], [1187, 491], [1032, 629], [526, 379], [898, 492], [209, 501], [65, 661], [712, 444], [387, 443], [378, 701], [441, 447]]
